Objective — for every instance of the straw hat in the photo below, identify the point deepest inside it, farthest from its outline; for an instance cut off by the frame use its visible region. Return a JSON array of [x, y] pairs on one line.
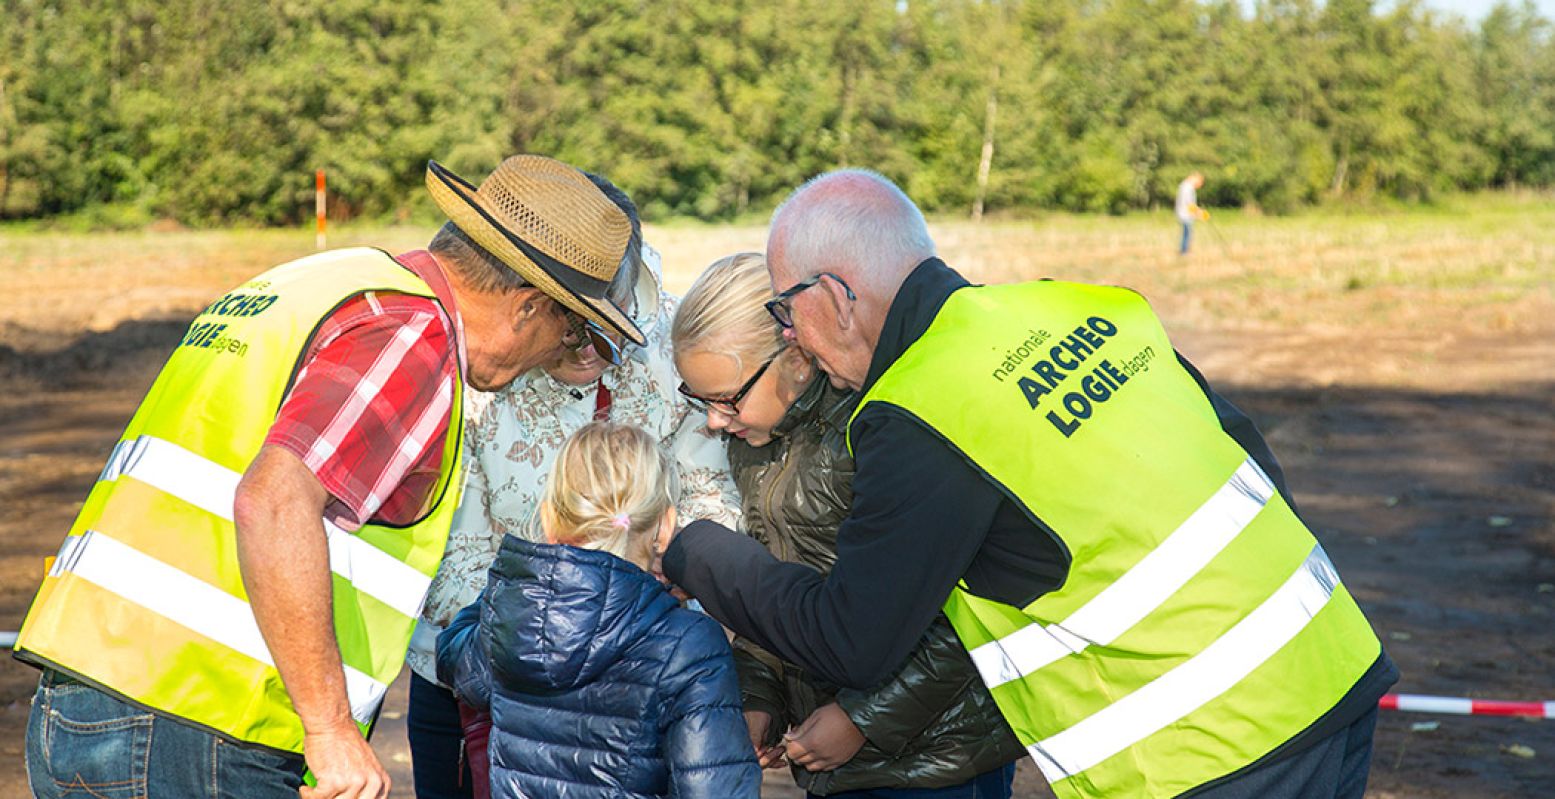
[[547, 222]]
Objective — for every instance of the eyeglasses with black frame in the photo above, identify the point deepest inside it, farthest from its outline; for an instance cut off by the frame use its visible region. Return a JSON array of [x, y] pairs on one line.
[[583, 332], [780, 306], [729, 405]]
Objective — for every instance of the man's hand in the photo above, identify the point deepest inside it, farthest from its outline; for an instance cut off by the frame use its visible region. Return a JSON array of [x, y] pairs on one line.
[[760, 722], [826, 740], [283, 554], [656, 568], [344, 765]]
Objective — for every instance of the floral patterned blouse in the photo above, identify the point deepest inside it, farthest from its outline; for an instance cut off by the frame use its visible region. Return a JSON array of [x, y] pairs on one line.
[[513, 435]]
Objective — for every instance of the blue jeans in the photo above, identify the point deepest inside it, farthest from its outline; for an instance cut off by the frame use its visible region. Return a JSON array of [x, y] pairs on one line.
[[82, 742], [437, 758], [1187, 236], [996, 784]]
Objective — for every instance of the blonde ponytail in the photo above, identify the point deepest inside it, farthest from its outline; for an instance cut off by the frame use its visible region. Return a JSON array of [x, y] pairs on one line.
[[608, 491]]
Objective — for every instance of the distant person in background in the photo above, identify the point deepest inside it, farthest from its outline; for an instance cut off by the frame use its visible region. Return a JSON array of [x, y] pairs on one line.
[[1188, 210]]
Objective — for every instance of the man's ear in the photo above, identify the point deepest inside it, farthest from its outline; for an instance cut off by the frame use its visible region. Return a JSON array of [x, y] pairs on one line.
[[839, 298], [525, 303]]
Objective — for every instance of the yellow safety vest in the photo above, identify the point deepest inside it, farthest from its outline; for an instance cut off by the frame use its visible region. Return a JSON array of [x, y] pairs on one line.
[[1200, 625], [145, 598]]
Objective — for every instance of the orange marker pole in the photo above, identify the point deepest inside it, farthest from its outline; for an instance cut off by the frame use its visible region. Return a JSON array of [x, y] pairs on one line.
[[318, 205]]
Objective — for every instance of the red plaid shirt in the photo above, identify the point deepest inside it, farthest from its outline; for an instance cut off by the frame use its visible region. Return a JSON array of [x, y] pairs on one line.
[[369, 410]]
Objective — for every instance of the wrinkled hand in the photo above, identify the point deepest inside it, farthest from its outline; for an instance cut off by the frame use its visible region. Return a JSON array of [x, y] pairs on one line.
[[760, 723], [344, 765], [824, 741]]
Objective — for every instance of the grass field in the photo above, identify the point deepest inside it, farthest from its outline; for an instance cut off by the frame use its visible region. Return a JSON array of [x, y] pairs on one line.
[[1484, 263]]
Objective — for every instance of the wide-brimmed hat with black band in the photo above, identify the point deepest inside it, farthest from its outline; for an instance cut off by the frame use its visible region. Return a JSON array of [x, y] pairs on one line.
[[547, 222]]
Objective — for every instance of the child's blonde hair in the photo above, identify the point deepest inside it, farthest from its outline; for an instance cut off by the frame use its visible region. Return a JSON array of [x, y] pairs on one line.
[[608, 490], [726, 308]]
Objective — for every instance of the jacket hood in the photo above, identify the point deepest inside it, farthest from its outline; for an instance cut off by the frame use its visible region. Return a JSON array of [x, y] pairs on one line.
[[650, 284], [555, 617]]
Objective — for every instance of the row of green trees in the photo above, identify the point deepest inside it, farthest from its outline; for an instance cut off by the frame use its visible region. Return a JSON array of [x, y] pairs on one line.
[[218, 111]]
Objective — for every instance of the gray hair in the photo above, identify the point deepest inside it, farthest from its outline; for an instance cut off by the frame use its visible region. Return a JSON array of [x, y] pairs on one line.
[[485, 273], [854, 222], [623, 287]]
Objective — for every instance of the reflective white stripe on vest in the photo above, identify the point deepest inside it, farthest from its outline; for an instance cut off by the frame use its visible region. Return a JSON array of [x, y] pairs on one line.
[[1140, 590], [203, 608], [1210, 673], [211, 487]]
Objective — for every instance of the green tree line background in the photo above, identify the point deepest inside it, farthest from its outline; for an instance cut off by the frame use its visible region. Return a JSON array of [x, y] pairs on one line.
[[218, 111]]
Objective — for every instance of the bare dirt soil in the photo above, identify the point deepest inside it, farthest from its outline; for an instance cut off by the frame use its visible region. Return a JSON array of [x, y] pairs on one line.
[[1422, 455]]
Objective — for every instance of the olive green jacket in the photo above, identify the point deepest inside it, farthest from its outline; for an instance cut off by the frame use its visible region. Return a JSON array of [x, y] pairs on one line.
[[932, 724]]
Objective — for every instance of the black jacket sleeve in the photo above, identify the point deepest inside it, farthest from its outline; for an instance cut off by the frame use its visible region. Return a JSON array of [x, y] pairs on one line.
[[934, 678], [920, 514]]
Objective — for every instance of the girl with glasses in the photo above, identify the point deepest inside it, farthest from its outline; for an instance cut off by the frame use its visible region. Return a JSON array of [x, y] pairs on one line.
[[930, 730], [733, 361]]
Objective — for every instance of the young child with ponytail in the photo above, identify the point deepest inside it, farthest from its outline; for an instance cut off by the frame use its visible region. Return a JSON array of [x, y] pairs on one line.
[[598, 682]]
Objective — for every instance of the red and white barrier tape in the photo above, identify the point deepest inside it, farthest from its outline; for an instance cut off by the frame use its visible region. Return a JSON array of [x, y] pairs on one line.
[[1459, 706]]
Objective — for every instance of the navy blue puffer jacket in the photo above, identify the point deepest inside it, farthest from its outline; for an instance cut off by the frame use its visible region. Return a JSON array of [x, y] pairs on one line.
[[598, 683]]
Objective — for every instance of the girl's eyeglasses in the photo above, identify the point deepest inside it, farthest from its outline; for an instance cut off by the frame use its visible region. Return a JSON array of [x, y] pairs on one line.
[[729, 405]]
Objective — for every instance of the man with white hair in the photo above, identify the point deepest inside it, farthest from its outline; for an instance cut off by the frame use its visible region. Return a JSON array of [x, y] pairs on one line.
[[1113, 541]]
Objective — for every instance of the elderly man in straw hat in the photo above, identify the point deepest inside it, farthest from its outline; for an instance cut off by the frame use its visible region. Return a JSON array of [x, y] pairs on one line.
[[238, 590]]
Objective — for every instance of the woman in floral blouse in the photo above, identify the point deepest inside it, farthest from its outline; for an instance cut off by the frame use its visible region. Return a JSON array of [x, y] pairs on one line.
[[511, 438]]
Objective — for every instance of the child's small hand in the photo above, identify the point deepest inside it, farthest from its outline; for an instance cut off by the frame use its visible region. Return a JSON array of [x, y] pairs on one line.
[[772, 757], [760, 722]]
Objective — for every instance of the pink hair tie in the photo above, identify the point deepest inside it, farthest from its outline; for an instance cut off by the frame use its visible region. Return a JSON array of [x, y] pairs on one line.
[[621, 521]]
